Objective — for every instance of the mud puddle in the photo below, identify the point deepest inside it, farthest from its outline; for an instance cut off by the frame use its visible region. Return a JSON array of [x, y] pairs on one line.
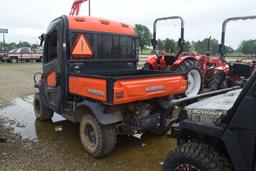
[[20, 116], [131, 153]]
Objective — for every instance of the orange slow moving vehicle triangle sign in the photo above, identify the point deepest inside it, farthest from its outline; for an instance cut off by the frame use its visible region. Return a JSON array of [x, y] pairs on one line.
[[81, 47]]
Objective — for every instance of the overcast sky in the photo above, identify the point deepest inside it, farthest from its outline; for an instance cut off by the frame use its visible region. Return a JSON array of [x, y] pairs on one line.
[[27, 19]]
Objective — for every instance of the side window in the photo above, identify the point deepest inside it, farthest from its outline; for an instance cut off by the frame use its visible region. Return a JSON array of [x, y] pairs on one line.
[[22, 50], [27, 50], [51, 46]]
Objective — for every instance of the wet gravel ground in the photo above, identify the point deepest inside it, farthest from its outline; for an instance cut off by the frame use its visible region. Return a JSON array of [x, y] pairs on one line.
[[28, 144]]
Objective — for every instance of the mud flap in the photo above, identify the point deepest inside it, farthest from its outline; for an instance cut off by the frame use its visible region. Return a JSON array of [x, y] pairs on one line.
[[103, 118], [42, 93]]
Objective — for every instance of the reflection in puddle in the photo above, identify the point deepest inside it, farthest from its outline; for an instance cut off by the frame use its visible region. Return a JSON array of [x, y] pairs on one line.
[[21, 117], [130, 154]]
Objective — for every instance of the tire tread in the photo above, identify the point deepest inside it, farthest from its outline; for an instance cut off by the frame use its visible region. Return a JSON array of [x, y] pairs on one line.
[[207, 157]]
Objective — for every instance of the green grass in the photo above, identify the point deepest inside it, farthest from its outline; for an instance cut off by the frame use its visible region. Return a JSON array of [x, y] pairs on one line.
[[147, 52], [233, 58]]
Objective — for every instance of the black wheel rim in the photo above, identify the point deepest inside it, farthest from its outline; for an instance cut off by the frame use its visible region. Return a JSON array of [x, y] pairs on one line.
[[89, 132], [186, 167]]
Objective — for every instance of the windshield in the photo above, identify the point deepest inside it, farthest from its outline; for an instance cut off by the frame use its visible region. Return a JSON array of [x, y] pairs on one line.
[[14, 50]]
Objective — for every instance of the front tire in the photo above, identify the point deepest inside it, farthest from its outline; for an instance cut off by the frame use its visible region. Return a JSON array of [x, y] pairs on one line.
[[98, 140], [41, 112], [196, 156], [14, 60]]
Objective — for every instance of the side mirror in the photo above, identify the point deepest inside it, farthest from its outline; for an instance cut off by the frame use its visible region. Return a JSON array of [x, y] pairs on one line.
[[41, 39], [153, 42]]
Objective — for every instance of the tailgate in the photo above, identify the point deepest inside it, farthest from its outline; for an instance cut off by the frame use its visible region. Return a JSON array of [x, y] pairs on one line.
[[130, 90], [122, 91]]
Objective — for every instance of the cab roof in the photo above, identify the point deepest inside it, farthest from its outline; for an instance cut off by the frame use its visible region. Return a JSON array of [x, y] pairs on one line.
[[100, 25]]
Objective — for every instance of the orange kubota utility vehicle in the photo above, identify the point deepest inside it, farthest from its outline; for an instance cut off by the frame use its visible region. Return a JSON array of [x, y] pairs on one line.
[[90, 77]]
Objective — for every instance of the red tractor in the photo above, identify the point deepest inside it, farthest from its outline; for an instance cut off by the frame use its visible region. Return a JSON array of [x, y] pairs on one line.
[[181, 62], [198, 67], [231, 73]]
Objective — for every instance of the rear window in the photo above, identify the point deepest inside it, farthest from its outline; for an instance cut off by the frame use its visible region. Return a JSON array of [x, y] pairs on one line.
[[107, 46]]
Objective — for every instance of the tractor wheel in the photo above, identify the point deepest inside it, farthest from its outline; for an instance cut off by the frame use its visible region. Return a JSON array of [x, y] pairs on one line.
[[98, 140], [196, 156], [147, 66], [161, 129], [41, 112], [218, 81], [194, 75]]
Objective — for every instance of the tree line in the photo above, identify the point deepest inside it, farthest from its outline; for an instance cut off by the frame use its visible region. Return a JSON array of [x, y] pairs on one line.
[[247, 47]]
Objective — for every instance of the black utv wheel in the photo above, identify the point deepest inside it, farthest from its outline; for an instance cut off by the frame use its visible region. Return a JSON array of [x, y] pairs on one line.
[[193, 72], [218, 81], [196, 156], [41, 111], [98, 140]]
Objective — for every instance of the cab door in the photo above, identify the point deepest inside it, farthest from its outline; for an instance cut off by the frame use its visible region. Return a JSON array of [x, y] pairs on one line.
[[53, 66]]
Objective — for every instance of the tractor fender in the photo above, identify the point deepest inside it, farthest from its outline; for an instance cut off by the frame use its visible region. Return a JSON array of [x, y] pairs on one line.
[[97, 110], [152, 60], [182, 59], [224, 68]]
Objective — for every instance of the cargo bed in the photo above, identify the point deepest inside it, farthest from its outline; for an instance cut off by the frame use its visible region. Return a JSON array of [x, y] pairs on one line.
[[126, 87]]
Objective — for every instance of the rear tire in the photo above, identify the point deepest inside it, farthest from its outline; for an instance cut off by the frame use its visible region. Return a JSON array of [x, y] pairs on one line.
[[218, 81], [41, 112], [193, 71], [98, 140], [196, 156]]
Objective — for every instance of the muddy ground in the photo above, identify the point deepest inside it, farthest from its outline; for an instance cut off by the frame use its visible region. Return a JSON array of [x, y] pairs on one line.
[[27, 144], [16, 80]]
